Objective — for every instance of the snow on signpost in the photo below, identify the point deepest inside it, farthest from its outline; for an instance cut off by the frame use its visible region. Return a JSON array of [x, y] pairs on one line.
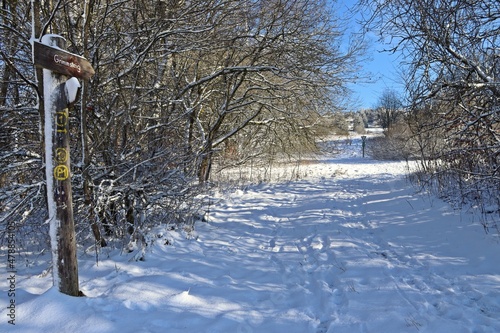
[[60, 72]]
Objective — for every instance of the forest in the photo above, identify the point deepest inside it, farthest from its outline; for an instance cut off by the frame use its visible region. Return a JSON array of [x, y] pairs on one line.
[[183, 89]]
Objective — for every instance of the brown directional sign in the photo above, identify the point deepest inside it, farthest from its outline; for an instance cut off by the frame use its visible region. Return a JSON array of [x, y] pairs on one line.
[[61, 61]]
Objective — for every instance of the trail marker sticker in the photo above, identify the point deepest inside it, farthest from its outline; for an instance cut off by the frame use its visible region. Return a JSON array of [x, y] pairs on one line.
[[61, 172]]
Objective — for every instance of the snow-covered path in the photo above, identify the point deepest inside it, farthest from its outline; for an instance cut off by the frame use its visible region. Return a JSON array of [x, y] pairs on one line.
[[365, 256], [351, 251]]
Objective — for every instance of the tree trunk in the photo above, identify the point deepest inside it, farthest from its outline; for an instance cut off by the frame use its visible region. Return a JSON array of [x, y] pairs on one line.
[[205, 168]]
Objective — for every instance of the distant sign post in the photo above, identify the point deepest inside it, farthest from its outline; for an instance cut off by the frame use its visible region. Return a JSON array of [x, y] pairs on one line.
[[363, 144], [60, 70]]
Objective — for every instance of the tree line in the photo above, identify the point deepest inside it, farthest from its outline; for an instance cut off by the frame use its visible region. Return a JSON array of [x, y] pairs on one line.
[[178, 86], [450, 51]]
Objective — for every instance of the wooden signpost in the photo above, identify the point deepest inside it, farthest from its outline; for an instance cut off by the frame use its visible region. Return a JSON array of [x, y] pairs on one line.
[[61, 69], [62, 62], [363, 144]]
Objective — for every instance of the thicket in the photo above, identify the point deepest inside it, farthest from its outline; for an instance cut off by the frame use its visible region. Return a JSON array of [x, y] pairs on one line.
[[452, 65], [178, 86]]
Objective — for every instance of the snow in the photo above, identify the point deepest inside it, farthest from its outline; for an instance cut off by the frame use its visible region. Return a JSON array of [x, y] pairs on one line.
[[49, 85], [72, 86], [50, 40], [351, 247]]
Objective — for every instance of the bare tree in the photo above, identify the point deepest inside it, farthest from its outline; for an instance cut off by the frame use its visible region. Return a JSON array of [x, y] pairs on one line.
[[451, 55], [22, 200], [273, 72], [390, 108]]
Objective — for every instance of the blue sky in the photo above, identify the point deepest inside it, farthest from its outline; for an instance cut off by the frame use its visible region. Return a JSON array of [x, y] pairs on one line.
[[381, 68], [382, 75]]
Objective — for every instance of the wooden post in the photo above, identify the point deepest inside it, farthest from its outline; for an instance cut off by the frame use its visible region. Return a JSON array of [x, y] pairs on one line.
[[363, 144], [58, 174], [67, 260]]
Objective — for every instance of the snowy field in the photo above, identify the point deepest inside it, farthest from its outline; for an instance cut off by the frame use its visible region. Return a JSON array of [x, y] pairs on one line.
[[349, 247]]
